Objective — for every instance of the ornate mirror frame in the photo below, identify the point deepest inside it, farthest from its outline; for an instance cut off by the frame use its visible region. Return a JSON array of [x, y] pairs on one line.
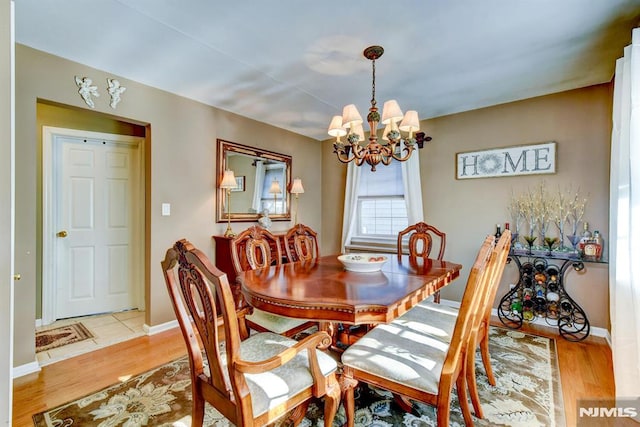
[[225, 150]]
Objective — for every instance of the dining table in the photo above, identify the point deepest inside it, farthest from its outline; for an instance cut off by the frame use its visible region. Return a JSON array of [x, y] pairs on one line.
[[321, 289]]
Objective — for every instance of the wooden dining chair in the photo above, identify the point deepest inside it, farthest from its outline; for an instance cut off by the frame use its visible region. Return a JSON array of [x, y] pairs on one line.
[[420, 238], [256, 248], [415, 365], [439, 321], [301, 243], [252, 382]]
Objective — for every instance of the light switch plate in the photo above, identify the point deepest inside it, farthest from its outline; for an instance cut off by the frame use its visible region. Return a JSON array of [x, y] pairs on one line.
[[166, 209]]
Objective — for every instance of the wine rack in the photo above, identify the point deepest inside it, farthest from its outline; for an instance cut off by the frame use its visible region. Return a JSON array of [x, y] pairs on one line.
[[540, 293]]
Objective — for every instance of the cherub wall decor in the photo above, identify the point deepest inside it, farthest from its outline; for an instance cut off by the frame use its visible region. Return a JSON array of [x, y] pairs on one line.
[[115, 90], [86, 90]]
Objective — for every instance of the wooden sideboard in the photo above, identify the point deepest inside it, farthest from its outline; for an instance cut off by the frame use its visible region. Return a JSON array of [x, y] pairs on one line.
[[223, 257]]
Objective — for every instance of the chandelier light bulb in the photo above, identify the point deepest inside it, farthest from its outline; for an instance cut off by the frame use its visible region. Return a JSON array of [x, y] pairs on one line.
[[335, 127]]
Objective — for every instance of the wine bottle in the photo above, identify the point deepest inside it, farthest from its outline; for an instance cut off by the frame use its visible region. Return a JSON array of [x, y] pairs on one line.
[[598, 243], [586, 236], [498, 232]]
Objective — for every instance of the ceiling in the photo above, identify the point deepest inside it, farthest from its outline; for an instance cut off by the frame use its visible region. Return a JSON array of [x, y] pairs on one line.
[[295, 63]]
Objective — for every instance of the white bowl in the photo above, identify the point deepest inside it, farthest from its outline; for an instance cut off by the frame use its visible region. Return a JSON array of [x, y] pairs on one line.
[[362, 263]]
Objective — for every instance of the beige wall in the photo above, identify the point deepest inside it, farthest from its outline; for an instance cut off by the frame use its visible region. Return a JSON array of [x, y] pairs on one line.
[[181, 147], [579, 121], [6, 207]]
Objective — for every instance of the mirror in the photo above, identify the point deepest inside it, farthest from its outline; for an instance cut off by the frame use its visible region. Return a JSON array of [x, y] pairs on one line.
[[258, 175]]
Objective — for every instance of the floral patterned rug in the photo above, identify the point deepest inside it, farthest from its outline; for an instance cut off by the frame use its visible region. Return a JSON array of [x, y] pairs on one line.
[[527, 394]]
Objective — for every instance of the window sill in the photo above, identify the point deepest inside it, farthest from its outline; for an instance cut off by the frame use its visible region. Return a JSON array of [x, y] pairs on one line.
[[370, 244]]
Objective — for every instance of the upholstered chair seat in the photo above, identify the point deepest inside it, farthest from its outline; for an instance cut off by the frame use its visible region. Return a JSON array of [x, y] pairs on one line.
[[275, 323], [273, 388], [432, 319], [399, 355]]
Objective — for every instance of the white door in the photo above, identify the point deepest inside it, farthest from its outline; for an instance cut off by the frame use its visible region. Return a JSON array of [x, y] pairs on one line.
[[97, 210]]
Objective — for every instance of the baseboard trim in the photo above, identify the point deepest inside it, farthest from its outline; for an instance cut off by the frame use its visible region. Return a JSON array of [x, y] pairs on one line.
[[28, 368], [595, 331], [152, 330]]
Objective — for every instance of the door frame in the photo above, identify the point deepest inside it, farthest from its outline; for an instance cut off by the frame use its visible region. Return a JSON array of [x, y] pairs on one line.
[[49, 220]]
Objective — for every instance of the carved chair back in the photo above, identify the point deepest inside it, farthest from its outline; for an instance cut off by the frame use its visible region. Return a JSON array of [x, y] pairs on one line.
[[421, 240], [256, 247], [301, 243], [210, 304]]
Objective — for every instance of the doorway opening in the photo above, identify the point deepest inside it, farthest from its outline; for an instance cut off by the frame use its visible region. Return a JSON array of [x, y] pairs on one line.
[[92, 223]]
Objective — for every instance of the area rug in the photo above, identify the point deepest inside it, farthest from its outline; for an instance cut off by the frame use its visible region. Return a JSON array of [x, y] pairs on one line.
[[527, 394], [63, 335]]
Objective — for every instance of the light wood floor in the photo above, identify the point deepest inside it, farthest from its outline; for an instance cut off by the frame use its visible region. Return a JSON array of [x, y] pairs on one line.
[[586, 371]]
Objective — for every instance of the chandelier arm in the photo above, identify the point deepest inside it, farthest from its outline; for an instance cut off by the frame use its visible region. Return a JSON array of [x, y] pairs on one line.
[[359, 151], [408, 148], [344, 158]]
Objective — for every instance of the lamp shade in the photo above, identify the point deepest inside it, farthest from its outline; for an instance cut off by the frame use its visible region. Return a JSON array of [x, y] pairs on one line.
[[391, 112], [410, 122], [335, 127], [275, 187], [228, 180], [296, 187], [350, 116]]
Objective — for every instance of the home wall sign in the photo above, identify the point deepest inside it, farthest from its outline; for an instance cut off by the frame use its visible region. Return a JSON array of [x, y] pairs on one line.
[[508, 161]]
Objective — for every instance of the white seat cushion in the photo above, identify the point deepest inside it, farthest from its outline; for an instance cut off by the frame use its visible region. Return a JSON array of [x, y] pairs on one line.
[[277, 386], [399, 354], [273, 322], [429, 318]]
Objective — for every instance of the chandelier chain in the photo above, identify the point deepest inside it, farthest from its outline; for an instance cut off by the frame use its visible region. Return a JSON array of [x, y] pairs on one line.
[[373, 82]]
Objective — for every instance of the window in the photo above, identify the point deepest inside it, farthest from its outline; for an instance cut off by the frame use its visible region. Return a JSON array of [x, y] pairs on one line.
[[381, 209], [273, 172], [376, 206]]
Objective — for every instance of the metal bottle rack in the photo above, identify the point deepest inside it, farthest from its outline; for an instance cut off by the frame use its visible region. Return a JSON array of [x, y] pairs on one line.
[[540, 292]]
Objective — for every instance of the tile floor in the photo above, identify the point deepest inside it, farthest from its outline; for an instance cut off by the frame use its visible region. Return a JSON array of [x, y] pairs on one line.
[[107, 329]]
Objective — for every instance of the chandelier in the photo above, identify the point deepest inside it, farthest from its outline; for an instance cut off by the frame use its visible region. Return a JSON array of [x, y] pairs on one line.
[[393, 145]]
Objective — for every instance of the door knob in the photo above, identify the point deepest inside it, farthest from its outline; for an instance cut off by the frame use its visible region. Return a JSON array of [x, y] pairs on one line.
[[17, 277], [62, 233]]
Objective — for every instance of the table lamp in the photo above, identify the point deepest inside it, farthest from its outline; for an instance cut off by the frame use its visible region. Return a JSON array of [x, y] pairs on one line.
[[275, 190], [228, 182], [297, 189]]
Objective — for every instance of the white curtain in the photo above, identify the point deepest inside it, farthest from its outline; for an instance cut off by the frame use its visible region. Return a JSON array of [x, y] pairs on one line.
[[624, 268], [256, 204], [412, 188], [350, 203]]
